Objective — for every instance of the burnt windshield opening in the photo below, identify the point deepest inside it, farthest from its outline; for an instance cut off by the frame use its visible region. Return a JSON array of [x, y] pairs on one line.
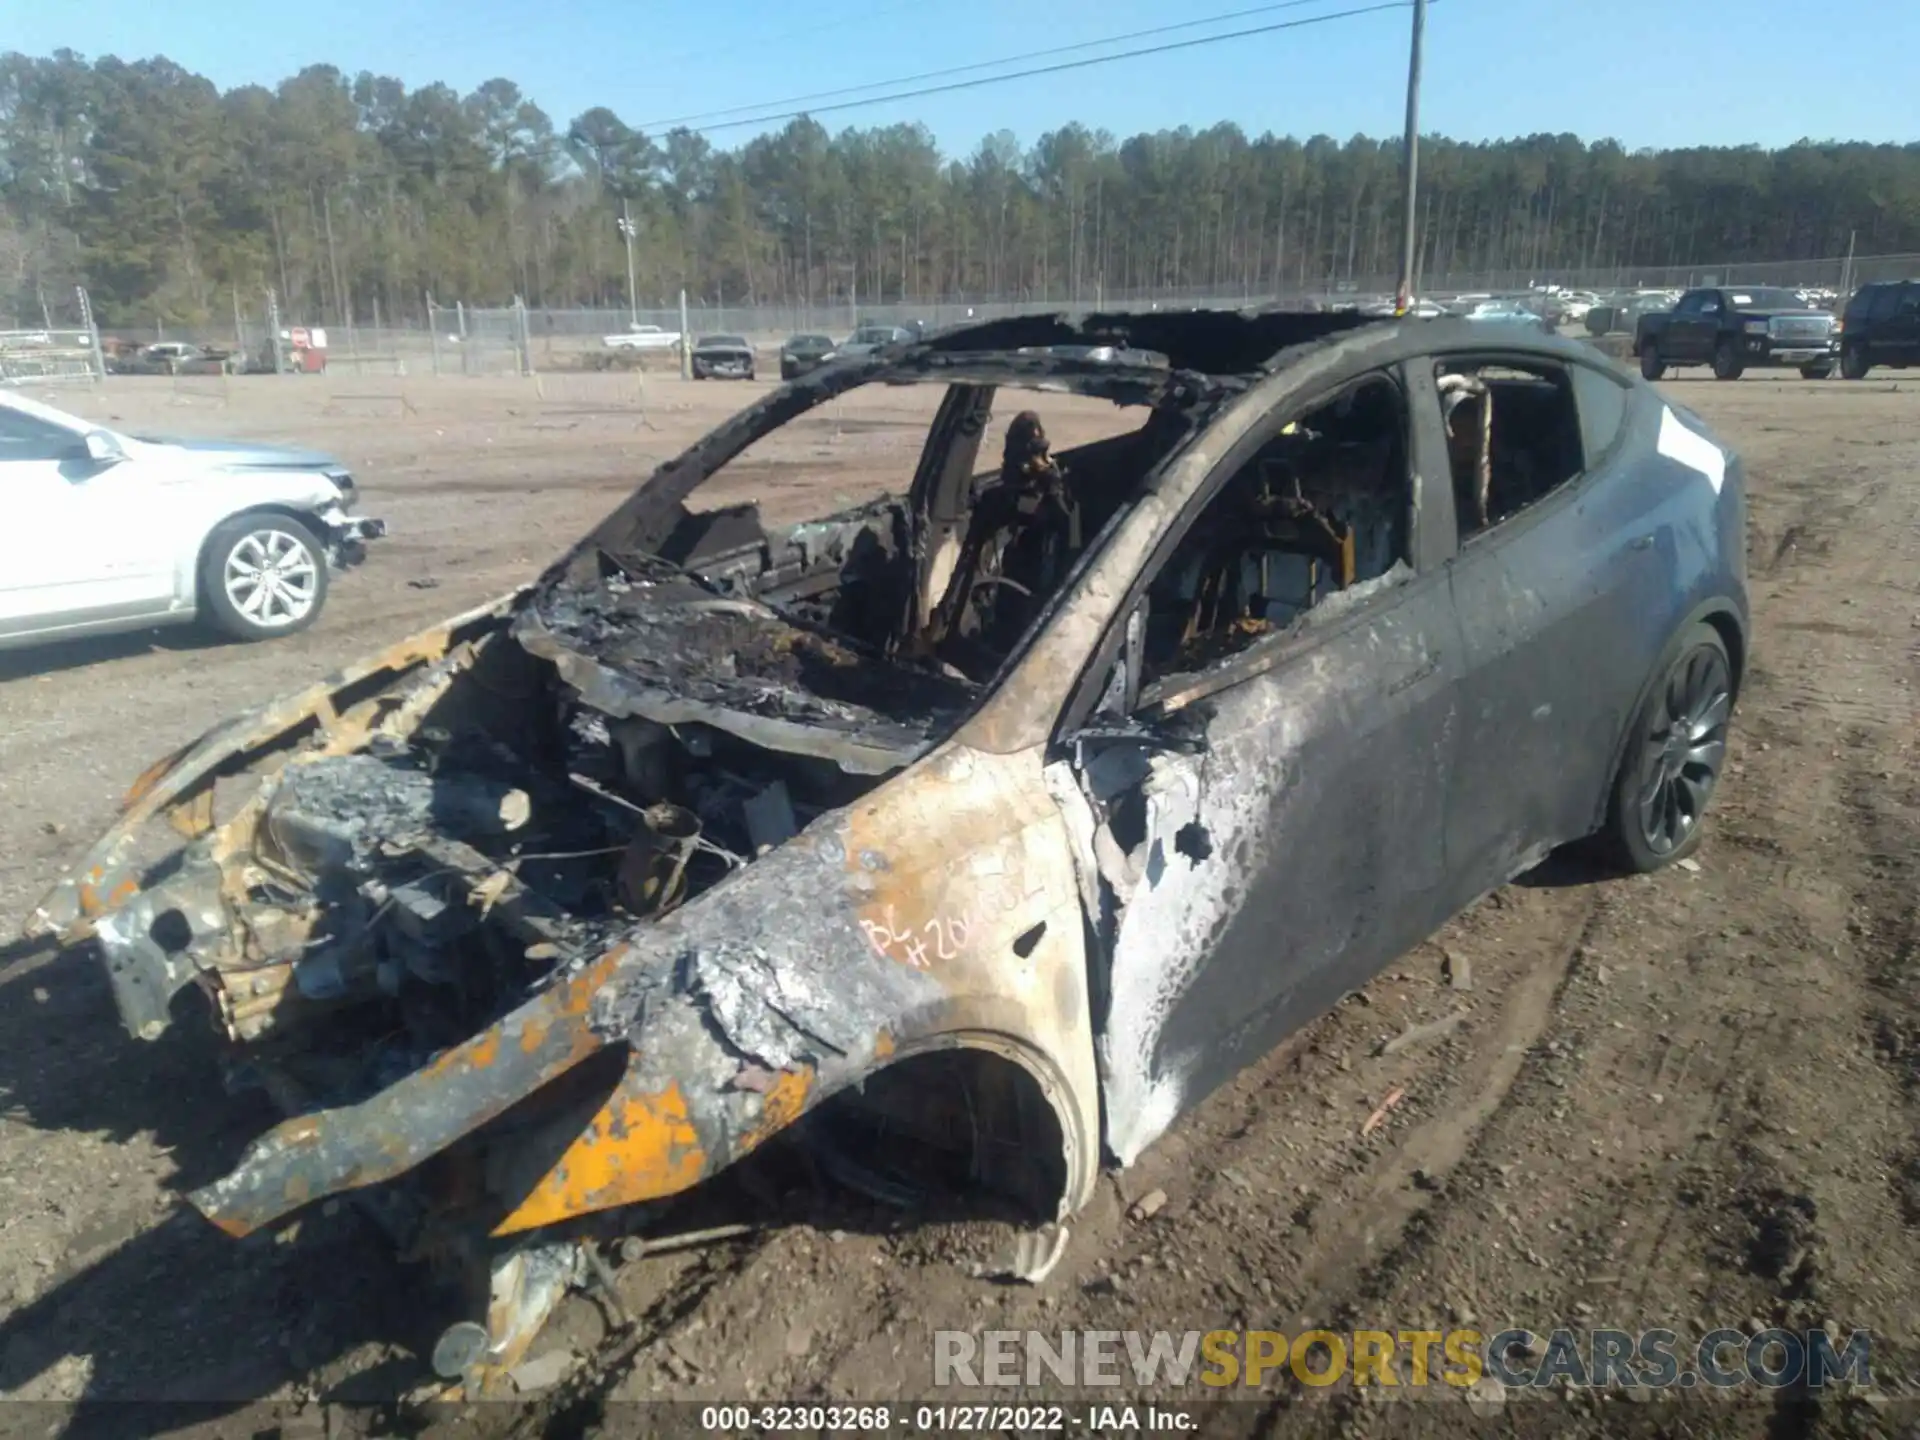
[[844, 578]]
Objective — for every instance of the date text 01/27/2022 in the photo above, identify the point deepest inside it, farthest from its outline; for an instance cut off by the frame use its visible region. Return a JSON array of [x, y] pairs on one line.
[[936, 1419]]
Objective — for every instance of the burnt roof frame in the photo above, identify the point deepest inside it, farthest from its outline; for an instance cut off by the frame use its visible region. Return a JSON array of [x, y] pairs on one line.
[[641, 523]]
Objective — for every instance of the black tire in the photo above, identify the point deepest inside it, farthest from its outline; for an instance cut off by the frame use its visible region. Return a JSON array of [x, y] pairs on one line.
[[1652, 367], [1816, 372], [1727, 364], [297, 594], [1673, 758], [1853, 363]]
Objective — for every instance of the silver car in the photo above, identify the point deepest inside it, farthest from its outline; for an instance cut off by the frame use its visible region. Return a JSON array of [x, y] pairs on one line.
[[110, 532]]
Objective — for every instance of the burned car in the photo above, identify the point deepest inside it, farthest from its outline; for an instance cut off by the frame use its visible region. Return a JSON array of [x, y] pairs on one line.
[[975, 832]]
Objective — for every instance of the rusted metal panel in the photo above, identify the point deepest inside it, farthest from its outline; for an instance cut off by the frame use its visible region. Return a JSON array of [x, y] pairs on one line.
[[639, 1147], [325, 1153], [874, 934], [102, 881]]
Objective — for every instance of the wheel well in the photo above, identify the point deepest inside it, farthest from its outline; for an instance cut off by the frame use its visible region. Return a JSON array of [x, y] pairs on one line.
[[959, 1124], [1734, 639]]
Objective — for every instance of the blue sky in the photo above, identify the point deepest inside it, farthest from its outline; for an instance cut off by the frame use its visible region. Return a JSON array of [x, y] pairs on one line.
[[1493, 67]]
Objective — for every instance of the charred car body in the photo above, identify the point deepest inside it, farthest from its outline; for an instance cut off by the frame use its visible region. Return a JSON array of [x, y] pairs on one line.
[[1025, 807]]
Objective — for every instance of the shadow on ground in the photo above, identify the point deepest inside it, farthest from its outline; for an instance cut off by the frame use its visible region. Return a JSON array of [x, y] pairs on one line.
[[156, 1304], [1570, 866], [56, 656]]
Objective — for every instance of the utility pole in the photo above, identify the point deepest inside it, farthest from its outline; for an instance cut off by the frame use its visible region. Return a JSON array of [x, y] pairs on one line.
[[625, 223], [686, 341], [333, 266], [273, 334], [1410, 236], [1846, 270]]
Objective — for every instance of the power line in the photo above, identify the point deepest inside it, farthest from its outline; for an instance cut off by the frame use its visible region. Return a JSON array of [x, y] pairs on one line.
[[978, 65], [1061, 66]]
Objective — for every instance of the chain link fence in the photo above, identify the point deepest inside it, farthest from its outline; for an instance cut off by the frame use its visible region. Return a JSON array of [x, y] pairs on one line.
[[572, 338], [64, 348], [456, 338]]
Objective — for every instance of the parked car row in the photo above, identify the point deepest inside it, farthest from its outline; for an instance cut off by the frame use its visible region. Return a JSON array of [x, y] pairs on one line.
[[732, 356], [1735, 328]]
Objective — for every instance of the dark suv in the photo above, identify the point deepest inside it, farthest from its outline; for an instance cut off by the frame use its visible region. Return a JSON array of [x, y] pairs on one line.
[[1881, 327]]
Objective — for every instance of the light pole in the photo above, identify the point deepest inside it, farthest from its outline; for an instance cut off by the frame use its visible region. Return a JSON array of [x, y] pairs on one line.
[[1410, 236], [625, 222]]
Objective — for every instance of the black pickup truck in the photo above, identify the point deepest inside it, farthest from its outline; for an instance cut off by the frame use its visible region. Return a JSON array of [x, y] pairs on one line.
[[1735, 328]]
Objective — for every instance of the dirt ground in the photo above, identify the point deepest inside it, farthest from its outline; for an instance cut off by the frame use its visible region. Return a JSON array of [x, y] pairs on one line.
[[1687, 1100]]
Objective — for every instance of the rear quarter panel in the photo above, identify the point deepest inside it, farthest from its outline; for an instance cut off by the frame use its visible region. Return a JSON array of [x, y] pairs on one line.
[[1692, 486]]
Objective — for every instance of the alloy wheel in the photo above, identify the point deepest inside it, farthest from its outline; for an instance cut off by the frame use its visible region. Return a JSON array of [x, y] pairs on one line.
[[1684, 749], [272, 577]]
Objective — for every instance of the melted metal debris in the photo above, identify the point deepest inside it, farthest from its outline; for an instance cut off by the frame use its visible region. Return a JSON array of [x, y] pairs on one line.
[[340, 812], [776, 962], [671, 650], [777, 1013]]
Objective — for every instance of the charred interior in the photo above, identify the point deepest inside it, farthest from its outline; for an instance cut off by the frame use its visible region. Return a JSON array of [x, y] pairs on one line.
[[1513, 435], [863, 637], [1322, 506]]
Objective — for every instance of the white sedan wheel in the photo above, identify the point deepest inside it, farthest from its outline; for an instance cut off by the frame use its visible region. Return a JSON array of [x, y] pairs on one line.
[[272, 578]]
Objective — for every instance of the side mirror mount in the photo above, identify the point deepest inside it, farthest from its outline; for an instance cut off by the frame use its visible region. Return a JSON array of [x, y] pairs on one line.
[[1122, 693], [103, 448], [1118, 721]]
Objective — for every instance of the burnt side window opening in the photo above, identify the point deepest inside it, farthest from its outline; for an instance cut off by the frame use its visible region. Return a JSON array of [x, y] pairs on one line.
[[1322, 506], [1513, 436]]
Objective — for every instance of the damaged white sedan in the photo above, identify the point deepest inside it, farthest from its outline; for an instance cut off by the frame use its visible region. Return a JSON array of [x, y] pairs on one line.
[[108, 532], [966, 837]]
